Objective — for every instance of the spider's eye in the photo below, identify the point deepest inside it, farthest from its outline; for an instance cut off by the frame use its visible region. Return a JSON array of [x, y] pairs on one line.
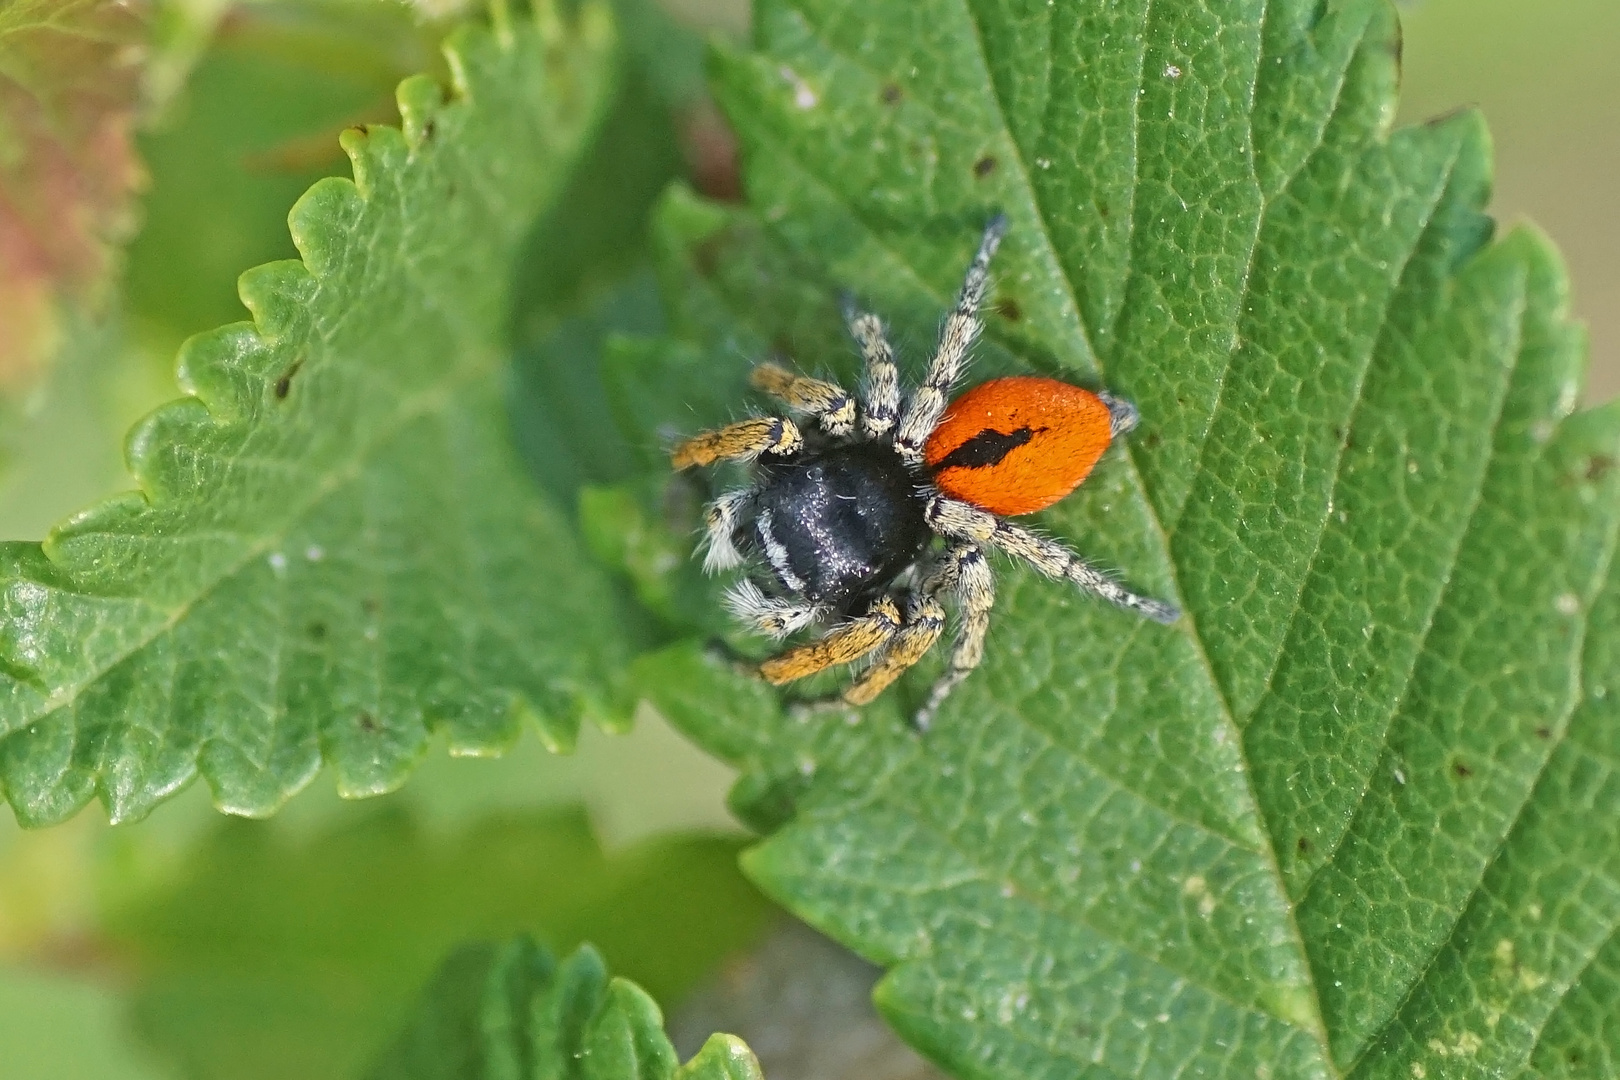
[[1018, 444]]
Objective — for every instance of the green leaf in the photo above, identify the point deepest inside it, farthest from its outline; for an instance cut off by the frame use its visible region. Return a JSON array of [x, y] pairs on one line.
[[498, 1011], [1358, 813], [332, 549], [271, 954]]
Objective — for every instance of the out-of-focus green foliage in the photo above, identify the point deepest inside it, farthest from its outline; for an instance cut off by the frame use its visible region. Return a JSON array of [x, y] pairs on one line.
[[494, 1012], [70, 88], [268, 955]]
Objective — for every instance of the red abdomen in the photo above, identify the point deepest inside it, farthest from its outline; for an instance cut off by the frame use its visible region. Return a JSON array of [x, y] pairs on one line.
[[1019, 444]]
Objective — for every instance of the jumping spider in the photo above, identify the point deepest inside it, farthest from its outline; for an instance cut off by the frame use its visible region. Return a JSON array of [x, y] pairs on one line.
[[842, 521]]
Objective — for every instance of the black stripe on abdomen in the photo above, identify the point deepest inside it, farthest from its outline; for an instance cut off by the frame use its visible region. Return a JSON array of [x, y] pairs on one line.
[[986, 449]]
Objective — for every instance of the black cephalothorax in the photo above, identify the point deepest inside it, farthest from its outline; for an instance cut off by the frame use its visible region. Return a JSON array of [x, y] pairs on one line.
[[837, 524]]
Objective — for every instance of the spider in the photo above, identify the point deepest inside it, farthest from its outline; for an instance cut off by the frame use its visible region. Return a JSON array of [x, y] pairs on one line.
[[840, 523]]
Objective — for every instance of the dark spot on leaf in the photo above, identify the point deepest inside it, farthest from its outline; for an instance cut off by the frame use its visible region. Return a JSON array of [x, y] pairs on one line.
[[984, 166], [891, 93], [986, 449], [1304, 845], [1152, 440], [1463, 771], [706, 255], [1338, 433], [1008, 309], [284, 383], [1544, 732], [1599, 466], [1103, 210], [368, 723], [317, 631], [429, 129], [369, 605]]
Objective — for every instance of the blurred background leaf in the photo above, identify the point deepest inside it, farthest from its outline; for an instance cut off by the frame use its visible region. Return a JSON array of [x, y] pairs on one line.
[[494, 1012], [70, 87], [1545, 76]]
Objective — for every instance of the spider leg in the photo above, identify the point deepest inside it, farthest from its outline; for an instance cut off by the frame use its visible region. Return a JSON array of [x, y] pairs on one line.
[[742, 441], [961, 327], [843, 644], [827, 402], [964, 573], [880, 400], [720, 521], [959, 520], [773, 616], [924, 621]]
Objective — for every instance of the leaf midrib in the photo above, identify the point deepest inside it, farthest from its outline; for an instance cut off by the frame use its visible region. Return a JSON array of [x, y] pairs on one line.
[[1318, 1029]]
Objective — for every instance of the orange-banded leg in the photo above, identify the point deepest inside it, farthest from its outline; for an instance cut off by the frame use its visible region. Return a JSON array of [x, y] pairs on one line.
[[843, 644], [924, 622], [963, 573], [826, 402], [742, 441]]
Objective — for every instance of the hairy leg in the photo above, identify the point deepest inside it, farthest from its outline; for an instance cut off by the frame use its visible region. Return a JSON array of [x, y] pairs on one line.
[[924, 621], [880, 400], [826, 402], [964, 573], [720, 521], [773, 616], [843, 644], [961, 327], [742, 441], [962, 521]]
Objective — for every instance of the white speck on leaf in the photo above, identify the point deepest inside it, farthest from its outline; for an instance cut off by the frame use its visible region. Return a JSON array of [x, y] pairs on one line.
[[803, 96], [1172, 72], [1568, 604], [314, 553], [278, 562]]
